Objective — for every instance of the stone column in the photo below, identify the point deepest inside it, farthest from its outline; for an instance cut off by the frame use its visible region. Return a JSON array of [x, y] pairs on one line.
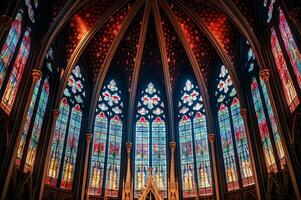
[[88, 140], [127, 192], [244, 113], [214, 164], [173, 193], [295, 16], [265, 75], [55, 114], [10, 158], [5, 24]]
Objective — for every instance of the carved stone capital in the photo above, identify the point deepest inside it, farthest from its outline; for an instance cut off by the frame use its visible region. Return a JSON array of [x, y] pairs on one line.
[[88, 138], [55, 113], [36, 74], [128, 147], [172, 145], [295, 14], [6, 22], [243, 113], [265, 75], [211, 137]]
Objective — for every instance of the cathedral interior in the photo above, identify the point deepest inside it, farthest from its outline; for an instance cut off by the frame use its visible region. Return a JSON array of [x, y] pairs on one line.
[[150, 99]]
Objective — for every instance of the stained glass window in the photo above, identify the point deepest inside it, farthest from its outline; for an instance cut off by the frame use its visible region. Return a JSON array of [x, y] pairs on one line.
[[27, 123], [286, 80], [263, 128], [9, 46], [265, 116], [30, 9], [36, 129], [108, 129], [66, 135], [150, 141], [12, 86], [194, 150], [290, 46], [232, 133]]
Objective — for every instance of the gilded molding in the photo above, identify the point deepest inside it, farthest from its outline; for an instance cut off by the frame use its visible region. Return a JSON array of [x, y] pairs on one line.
[[36, 74], [265, 75]]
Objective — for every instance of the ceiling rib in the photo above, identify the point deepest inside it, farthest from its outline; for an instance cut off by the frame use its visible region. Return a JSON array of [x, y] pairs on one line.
[[107, 61], [163, 51], [137, 65], [192, 59]]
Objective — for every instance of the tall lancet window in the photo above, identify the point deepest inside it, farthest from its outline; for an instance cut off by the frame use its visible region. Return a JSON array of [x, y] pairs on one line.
[[66, 135], [194, 150], [9, 46], [235, 149], [107, 138], [290, 46], [150, 141], [16, 74], [32, 129], [268, 128]]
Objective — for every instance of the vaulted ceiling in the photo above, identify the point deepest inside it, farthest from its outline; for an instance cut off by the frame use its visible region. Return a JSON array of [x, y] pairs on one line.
[[199, 25]]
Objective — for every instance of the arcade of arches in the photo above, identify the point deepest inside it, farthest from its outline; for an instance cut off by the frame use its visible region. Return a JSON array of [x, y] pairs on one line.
[[150, 99]]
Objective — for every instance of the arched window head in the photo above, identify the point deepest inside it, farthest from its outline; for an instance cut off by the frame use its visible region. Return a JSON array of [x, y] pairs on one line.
[[67, 131], [107, 140], [235, 149], [13, 84], [9, 46], [285, 77], [26, 154], [194, 150], [150, 141]]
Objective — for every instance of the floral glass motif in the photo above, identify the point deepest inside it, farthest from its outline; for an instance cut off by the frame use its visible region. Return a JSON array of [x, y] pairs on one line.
[[150, 144], [232, 133], [9, 46], [13, 84], [33, 123], [66, 135], [194, 143], [107, 140], [286, 80], [290, 46]]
